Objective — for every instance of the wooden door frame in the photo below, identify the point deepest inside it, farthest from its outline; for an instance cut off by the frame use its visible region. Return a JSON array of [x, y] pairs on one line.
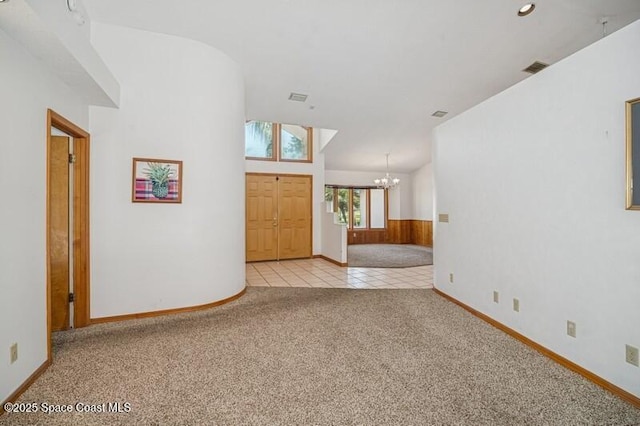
[[310, 205], [81, 139]]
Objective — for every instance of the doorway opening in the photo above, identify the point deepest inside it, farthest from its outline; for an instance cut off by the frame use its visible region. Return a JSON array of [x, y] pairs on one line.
[[67, 239]]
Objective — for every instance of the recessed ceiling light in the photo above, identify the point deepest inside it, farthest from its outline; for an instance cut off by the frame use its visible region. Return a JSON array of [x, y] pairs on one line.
[[3, 1], [298, 97], [439, 114], [526, 9]]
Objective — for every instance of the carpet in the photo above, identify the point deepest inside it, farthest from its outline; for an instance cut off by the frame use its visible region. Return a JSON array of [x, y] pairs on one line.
[[300, 356], [388, 255]]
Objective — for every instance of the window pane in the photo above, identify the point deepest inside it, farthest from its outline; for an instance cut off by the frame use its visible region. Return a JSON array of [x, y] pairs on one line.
[[377, 208], [328, 198], [294, 142], [359, 208], [258, 136], [343, 206]]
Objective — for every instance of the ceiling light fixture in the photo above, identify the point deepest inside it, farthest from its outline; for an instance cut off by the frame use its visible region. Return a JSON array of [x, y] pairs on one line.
[[526, 9], [298, 97], [439, 114], [387, 182]]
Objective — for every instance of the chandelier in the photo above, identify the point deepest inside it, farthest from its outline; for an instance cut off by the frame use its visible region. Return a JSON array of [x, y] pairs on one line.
[[387, 181]]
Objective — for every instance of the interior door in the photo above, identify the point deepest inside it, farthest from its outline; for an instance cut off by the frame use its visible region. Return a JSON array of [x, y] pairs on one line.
[[261, 217], [59, 231], [294, 203]]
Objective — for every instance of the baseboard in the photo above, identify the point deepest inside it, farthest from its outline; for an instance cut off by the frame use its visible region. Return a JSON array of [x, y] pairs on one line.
[[328, 259], [167, 311], [24, 386], [621, 393]]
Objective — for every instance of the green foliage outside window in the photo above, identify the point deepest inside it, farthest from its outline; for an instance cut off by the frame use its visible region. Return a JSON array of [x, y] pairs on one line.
[[259, 139]]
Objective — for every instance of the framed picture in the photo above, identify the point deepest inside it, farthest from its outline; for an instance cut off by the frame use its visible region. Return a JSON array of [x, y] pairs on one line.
[[156, 181]]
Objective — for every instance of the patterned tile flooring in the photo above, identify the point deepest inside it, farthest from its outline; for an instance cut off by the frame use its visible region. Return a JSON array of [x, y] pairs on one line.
[[321, 273]]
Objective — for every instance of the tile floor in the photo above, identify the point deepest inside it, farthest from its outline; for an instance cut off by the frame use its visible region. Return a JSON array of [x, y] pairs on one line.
[[321, 273]]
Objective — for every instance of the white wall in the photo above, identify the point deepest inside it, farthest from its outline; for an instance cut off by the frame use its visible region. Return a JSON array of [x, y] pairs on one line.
[[334, 237], [400, 198], [316, 169], [422, 185], [180, 100], [76, 62], [27, 89], [534, 183]]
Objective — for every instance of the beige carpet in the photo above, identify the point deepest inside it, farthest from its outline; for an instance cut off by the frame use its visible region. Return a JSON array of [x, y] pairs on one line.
[[300, 356]]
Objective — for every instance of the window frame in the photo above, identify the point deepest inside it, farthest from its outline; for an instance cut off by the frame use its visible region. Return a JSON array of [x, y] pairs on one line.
[[273, 144], [350, 226], [276, 150], [309, 158]]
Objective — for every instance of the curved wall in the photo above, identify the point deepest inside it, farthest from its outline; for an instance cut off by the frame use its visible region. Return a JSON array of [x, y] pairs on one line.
[[180, 100]]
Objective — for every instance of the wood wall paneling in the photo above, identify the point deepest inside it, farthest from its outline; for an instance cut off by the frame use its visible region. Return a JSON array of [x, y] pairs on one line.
[[399, 231], [422, 232], [366, 236], [419, 232]]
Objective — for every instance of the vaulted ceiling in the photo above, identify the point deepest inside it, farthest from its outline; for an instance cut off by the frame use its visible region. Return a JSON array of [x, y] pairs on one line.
[[375, 70]]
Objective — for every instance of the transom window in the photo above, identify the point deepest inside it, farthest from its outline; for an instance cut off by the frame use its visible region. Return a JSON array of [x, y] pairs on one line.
[[278, 142], [358, 208], [258, 140]]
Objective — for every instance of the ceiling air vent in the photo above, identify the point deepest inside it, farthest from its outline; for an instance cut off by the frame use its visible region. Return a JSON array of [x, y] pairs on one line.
[[298, 97], [535, 67], [439, 114]]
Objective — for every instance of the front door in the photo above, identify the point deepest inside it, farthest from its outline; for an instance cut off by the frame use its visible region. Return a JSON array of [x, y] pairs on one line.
[[294, 201], [261, 217], [278, 217]]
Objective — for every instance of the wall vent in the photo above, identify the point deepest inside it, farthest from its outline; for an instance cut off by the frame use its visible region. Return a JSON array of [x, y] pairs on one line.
[[535, 67]]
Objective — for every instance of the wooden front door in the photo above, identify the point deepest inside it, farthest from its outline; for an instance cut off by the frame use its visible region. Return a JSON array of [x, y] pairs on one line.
[[59, 231], [278, 217], [261, 217], [294, 201]]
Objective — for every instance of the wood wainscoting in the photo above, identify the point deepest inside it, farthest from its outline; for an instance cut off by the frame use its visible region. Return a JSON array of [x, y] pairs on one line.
[[419, 232], [366, 236], [422, 232]]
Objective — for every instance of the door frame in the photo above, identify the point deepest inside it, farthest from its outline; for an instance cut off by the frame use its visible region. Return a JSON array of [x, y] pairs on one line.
[[80, 226], [277, 175]]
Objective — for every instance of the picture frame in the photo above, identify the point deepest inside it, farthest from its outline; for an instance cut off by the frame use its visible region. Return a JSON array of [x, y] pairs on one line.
[[156, 181], [633, 153]]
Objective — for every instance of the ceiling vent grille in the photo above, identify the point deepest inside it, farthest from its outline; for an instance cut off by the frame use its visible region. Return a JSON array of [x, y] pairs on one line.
[[298, 97], [439, 114], [535, 67]]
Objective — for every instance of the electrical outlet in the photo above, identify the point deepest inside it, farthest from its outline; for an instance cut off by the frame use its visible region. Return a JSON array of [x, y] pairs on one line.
[[571, 328], [451, 278], [516, 305], [13, 353], [632, 355], [496, 297]]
